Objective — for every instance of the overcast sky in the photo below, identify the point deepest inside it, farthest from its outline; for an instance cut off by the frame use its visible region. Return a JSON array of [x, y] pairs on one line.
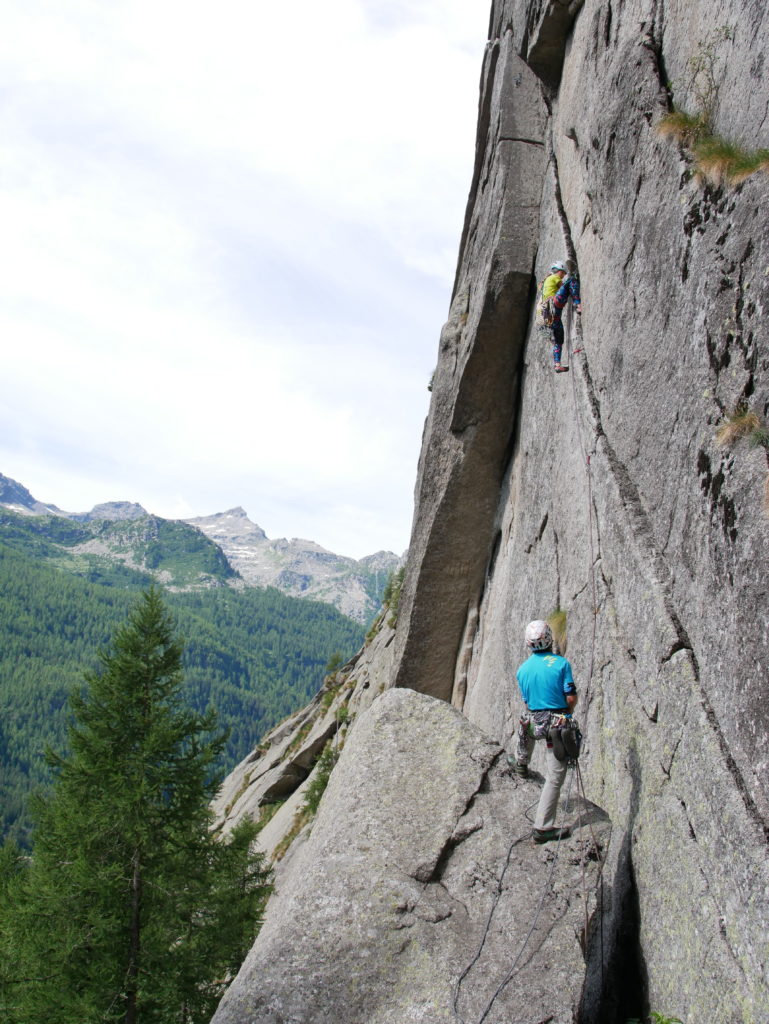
[[228, 238]]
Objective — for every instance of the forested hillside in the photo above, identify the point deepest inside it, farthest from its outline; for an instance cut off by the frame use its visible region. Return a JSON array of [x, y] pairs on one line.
[[121, 552], [254, 654]]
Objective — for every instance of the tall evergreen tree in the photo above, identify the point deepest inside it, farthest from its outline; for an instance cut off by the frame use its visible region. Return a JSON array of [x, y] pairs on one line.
[[130, 910]]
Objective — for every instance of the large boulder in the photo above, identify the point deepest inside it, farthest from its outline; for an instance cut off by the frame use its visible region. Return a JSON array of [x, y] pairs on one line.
[[419, 895]]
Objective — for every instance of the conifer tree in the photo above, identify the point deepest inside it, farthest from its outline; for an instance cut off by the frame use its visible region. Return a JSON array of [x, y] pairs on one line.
[[130, 910]]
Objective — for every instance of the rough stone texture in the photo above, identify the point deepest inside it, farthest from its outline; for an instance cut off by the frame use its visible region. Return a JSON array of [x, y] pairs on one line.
[[656, 548], [405, 903], [281, 766], [541, 38], [469, 426], [601, 493], [300, 568]]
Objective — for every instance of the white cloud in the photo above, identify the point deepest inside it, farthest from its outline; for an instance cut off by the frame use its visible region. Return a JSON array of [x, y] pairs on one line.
[[228, 241]]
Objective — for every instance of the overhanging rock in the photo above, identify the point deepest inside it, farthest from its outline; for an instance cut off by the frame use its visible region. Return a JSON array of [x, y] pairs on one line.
[[472, 415]]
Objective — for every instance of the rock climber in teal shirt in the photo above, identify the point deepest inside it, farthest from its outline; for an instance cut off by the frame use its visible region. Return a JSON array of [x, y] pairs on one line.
[[548, 690]]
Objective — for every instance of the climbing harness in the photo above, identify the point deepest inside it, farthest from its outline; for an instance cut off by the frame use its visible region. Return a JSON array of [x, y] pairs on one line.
[[560, 731], [545, 312], [536, 724]]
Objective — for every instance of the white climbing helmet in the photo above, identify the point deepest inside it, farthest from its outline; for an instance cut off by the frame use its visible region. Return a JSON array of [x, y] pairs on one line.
[[539, 636], [558, 265]]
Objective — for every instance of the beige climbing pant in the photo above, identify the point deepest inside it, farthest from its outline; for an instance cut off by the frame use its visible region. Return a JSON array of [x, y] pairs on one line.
[[534, 727]]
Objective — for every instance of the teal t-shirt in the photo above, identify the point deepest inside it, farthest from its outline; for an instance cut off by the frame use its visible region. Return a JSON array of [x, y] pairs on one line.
[[544, 680]]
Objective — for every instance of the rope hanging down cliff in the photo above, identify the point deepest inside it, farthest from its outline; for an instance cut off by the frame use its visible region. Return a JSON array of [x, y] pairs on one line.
[[595, 853], [573, 266], [495, 902]]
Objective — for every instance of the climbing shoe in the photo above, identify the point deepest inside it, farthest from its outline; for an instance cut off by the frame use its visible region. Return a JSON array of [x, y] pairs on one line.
[[572, 741], [559, 368], [556, 738], [518, 767], [545, 835]]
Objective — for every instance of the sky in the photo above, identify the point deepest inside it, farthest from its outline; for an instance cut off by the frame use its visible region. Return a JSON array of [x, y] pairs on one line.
[[229, 236]]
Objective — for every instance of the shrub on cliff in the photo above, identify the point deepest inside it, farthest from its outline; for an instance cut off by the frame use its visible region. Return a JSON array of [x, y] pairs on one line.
[[715, 158]]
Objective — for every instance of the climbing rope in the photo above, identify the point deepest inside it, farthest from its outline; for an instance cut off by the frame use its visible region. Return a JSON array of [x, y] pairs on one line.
[[572, 774], [548, 886], [594, 616], [589, 477], [494, 903]]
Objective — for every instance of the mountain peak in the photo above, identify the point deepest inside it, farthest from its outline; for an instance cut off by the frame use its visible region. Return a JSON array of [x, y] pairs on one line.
[[114, 510], [17, 498]]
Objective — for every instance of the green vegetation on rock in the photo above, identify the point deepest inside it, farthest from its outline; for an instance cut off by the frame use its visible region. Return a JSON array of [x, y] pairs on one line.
[[716, 158]]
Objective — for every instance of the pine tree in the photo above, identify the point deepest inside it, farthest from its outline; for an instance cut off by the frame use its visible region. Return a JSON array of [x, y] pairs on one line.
[[130, 910]]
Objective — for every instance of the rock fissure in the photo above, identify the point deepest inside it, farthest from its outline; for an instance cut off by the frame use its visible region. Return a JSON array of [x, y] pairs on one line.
[[660, 575], [529, 142], [682, 644], [737, 776], [460, 832]]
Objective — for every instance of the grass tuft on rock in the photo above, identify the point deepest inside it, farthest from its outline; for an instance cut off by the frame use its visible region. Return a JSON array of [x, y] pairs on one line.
[[724, 162], [557, 623], [315, 790], [743, 422], [685, 128]]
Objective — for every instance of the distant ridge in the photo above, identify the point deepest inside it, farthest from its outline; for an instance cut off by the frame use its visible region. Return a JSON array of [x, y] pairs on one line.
[[297, 567], [113, 510]]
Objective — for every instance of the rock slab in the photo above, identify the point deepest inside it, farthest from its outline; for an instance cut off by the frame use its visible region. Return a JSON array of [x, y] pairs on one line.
[[419, 893]]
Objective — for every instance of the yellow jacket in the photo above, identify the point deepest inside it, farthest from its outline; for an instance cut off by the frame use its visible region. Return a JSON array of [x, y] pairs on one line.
[[550, 286]]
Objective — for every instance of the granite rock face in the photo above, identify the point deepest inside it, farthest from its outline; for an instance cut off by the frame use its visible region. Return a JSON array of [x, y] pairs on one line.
[[618, 507], [278, 772], [405, 902], [469, 429], [601, 494]]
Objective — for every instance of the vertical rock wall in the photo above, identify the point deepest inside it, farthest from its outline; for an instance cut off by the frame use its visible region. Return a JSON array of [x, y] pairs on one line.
[[470, 426], [617, 505]]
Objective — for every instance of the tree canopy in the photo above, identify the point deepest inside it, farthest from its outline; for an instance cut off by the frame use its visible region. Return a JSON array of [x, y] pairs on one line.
[[129, 910]]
